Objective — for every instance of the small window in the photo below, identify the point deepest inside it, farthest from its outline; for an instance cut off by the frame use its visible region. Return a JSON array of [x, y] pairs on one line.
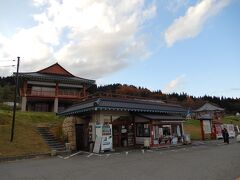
[[143, 130]]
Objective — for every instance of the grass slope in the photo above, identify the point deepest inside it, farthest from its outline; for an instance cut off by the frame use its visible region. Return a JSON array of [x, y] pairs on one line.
[[26, 139], [193, 128], [232, 120]]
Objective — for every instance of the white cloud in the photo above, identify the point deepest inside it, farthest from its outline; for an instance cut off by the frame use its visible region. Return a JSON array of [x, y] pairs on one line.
[[190, 25], [90, 38], [175, 5], [30, 45], [174, 84]]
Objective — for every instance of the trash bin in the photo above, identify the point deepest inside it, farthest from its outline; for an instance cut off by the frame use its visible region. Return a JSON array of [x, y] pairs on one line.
[[174, 140], [186, 139], [146, 143], [53, 152], [68, 146]]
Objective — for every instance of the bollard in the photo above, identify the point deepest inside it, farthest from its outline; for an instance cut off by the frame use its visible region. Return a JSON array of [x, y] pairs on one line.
[[68, 146], [143, 151], [53, 153], [238, 138]]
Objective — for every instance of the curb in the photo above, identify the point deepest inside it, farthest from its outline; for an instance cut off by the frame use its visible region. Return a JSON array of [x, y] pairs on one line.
[[21, 157]]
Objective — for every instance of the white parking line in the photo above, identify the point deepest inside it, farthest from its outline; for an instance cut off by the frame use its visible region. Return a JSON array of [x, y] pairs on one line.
[[73, 155], [90, 155], [149, 150]]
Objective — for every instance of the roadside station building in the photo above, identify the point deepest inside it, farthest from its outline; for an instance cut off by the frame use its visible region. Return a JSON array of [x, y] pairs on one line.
[[134, 122], [51, 89]]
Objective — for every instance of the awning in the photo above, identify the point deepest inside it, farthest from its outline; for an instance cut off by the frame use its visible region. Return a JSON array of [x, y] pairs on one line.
[[159, 117]]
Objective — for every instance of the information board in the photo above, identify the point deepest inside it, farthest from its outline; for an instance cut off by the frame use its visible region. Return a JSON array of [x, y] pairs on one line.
[[97, 145], [207, 126]]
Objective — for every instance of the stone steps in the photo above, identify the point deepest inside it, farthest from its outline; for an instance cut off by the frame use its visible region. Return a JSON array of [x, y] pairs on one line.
[[49, 138]]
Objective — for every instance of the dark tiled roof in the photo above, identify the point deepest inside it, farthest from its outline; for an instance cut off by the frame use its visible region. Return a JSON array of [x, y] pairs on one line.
[[209, 107], [55, 78], [136, 105]]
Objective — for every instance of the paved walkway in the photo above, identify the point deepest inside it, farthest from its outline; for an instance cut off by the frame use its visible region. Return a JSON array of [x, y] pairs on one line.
[[203, 160]]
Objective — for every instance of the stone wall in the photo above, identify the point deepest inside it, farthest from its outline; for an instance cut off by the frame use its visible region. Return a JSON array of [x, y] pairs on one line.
[[69, 131]]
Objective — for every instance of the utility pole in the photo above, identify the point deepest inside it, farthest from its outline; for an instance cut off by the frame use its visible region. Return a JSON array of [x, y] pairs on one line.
[[15, 100]]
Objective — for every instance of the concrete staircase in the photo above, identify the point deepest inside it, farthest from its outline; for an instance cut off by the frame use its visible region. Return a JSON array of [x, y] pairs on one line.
[[49, 138]]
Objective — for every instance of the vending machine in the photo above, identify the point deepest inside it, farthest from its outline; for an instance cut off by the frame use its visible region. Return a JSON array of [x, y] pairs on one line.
[[104, 132]]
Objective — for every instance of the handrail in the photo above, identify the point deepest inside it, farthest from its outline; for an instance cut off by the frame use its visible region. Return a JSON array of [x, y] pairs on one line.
[[61, 93]]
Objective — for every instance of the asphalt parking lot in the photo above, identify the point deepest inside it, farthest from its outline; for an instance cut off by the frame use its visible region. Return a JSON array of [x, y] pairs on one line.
[[201, 161]]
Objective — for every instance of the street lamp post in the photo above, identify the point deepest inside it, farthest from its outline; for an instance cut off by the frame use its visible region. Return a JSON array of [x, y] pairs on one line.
[[15, 99]]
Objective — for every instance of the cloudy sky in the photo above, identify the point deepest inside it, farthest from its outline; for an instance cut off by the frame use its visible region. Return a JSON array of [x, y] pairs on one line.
[[190, 46]]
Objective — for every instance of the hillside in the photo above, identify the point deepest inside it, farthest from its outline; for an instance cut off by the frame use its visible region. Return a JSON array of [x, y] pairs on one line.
[[231, 105], [26, 139]]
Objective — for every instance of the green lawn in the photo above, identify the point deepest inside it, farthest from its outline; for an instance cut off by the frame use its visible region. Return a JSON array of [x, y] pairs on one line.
[[231, 120], [192, 127], [26, 139]]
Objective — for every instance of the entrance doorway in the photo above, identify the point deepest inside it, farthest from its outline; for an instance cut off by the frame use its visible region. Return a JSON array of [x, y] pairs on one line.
[[79, 136], [123, 132]]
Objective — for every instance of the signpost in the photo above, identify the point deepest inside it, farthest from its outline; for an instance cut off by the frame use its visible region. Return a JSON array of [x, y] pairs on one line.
[[15, 99]]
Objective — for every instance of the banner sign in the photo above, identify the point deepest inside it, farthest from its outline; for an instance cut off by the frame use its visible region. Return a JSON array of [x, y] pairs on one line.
[[207, 127]]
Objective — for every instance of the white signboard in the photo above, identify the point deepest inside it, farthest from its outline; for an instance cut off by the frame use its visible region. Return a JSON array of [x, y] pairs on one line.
[[230, 129], [97, 145], [98, 130], [160, 130], [218, 131], [104, 131], [178, 130], [206, 126], [106, 137]]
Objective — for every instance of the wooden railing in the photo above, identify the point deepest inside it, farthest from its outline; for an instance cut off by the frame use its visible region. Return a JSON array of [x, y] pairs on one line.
[[40, 93], [61, 93], [66, 93]]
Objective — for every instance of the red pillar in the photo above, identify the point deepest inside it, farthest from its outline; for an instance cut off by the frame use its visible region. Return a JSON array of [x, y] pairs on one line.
[[151, 134], [214, 131], [56, 90]]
